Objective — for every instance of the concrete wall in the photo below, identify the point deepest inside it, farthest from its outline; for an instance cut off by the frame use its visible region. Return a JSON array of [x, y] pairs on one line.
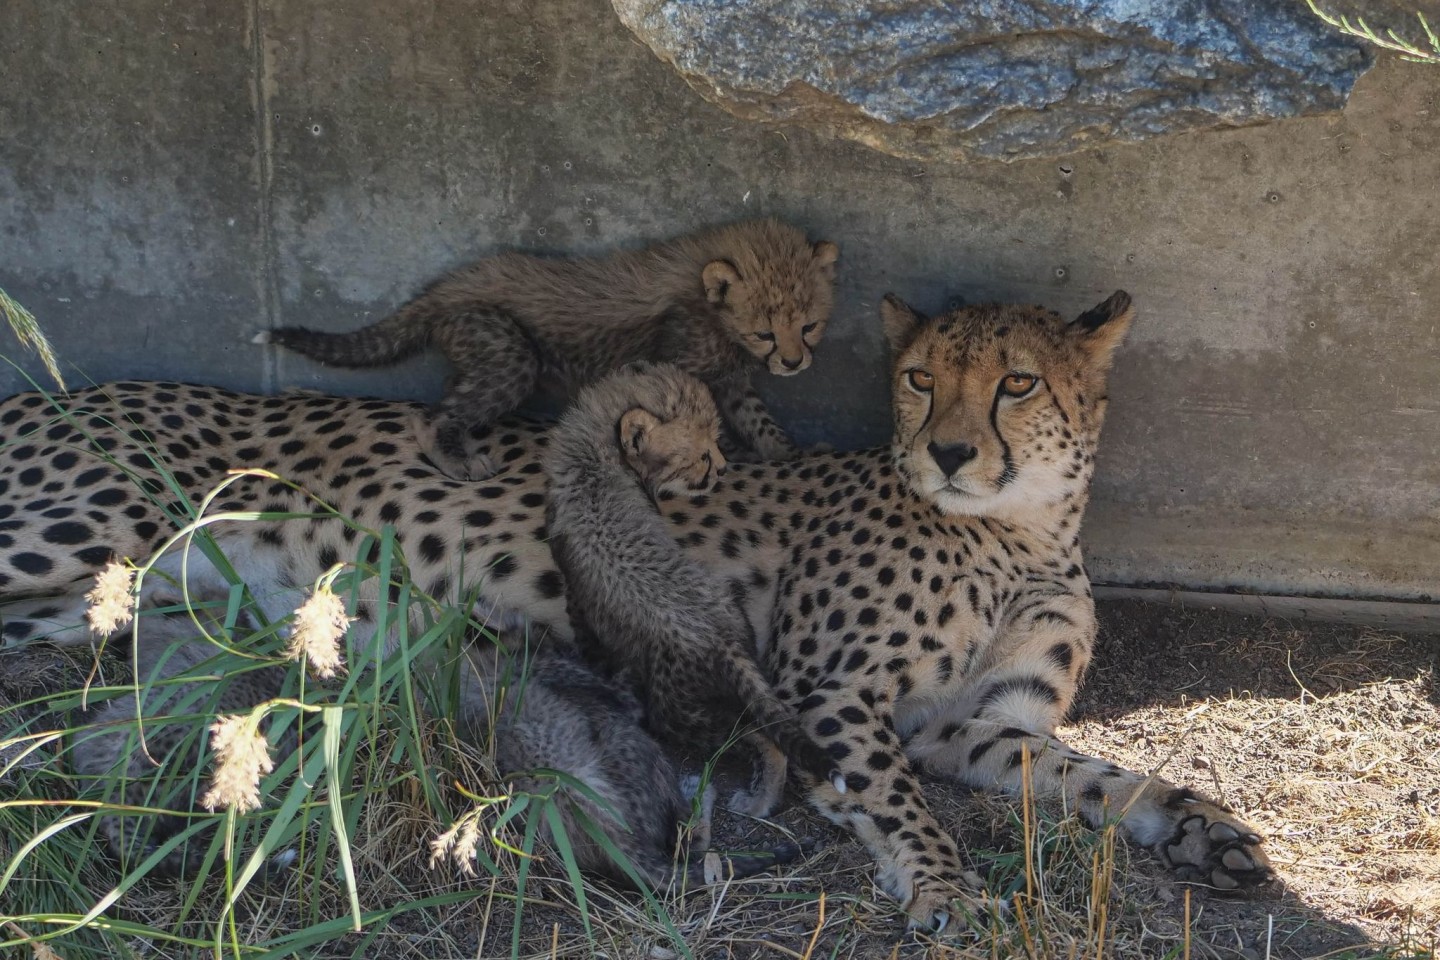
[[176, 175]]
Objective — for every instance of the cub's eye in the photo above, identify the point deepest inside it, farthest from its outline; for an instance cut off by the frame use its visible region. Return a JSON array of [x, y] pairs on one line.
[[922, 380], [766, 337], [808, 329], [1018, 384]]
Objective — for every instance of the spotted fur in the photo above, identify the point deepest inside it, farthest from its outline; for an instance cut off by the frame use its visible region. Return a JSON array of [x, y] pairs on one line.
[[633, 594], [924, 609], [547, 710], [716, 303]]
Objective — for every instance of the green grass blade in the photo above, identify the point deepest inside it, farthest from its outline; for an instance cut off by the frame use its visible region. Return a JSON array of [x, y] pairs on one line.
[[332, 718], [567, 856], [27, 331]]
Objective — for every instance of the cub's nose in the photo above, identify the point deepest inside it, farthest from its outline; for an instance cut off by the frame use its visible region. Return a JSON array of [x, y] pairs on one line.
[[951, 457], [792, 364]]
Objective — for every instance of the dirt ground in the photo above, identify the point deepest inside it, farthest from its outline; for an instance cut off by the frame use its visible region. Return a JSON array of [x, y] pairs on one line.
[[1326, 737]]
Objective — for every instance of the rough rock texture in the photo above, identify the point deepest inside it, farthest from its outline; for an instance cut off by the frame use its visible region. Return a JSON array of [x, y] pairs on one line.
[[1004, 79]]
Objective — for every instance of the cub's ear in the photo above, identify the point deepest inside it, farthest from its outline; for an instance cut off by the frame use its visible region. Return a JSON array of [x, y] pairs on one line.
[[901, 322], [719, 276], [1102, 328], [826, 253], [634, 429]]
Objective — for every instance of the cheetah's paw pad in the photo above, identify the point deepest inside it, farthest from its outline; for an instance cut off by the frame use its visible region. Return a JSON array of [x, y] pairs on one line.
[[1215, 849]]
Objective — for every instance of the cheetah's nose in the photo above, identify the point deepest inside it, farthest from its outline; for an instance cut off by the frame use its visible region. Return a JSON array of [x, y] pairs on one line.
[[792, 364], [951, 457]]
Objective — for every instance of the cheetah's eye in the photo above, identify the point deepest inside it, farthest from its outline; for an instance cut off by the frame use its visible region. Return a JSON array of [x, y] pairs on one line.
[[765, 337], [808, 329], [922, 380], [1018, 384]]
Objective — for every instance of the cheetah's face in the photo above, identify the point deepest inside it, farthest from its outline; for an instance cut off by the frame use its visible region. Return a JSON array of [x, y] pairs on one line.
[[776, 310], [998, 408], [680, 455]]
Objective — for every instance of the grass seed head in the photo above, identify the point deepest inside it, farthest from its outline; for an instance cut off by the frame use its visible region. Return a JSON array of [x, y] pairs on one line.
[[112, 604], [320, 625], [242, 757]]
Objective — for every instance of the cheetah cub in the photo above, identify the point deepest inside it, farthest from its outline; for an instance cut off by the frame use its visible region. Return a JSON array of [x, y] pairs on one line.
[[152, 766], [634, 597], [715, 303], [547, 710]]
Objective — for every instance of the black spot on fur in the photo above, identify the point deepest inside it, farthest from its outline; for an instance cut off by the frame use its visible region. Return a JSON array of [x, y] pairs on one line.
[[69, 532], [503, 568], [432, 548], [550, 584], [32, 563]]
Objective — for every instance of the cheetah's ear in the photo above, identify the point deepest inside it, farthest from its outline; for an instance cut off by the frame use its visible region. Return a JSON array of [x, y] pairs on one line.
[[634, 430], [719, 276], [826, 253], [1102, 328], [901, 321]]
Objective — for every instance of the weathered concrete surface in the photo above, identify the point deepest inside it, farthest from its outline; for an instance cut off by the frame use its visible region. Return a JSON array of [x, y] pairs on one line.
[[176, 175], [1002, 79]]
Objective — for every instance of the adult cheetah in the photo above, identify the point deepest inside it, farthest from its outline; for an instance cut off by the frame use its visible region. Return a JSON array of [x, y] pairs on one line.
[[928, 605]]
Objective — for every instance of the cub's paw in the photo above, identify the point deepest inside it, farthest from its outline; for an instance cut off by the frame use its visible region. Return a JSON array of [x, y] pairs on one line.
[[1213, 847], [758, 802], [442, 446]]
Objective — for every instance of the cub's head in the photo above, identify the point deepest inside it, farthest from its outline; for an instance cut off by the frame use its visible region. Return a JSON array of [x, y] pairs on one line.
[[998, 408], [669, 431], [773, 290]]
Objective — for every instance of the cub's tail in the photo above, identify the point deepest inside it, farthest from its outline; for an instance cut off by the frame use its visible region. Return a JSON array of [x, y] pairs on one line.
[[734, 866], [391, 340], [778, 721], [656, 867]]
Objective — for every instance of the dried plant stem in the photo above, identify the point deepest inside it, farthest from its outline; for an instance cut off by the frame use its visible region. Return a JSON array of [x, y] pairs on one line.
[[27, 331]]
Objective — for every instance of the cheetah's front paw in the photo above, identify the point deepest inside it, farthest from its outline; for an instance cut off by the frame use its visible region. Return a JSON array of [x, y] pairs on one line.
[[936, 905], [1212, 847]]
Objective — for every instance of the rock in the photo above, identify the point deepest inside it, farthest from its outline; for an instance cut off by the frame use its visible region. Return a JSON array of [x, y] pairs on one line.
[[1002, 79]]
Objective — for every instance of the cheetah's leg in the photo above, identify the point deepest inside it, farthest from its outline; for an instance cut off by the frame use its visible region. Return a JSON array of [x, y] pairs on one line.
[[746, 416], [918, 863], [980, 739], [496, 368]]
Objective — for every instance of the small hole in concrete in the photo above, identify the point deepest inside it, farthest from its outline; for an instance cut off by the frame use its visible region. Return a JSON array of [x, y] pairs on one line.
[[541, 231], [1129, 258], [1272, 197], [568, 165], [588, 221], [315, 129], [1311, 324], [1066, 169], [1061, 273]]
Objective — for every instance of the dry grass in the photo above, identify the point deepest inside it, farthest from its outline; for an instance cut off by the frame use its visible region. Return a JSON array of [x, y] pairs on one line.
[[1327, 738]]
